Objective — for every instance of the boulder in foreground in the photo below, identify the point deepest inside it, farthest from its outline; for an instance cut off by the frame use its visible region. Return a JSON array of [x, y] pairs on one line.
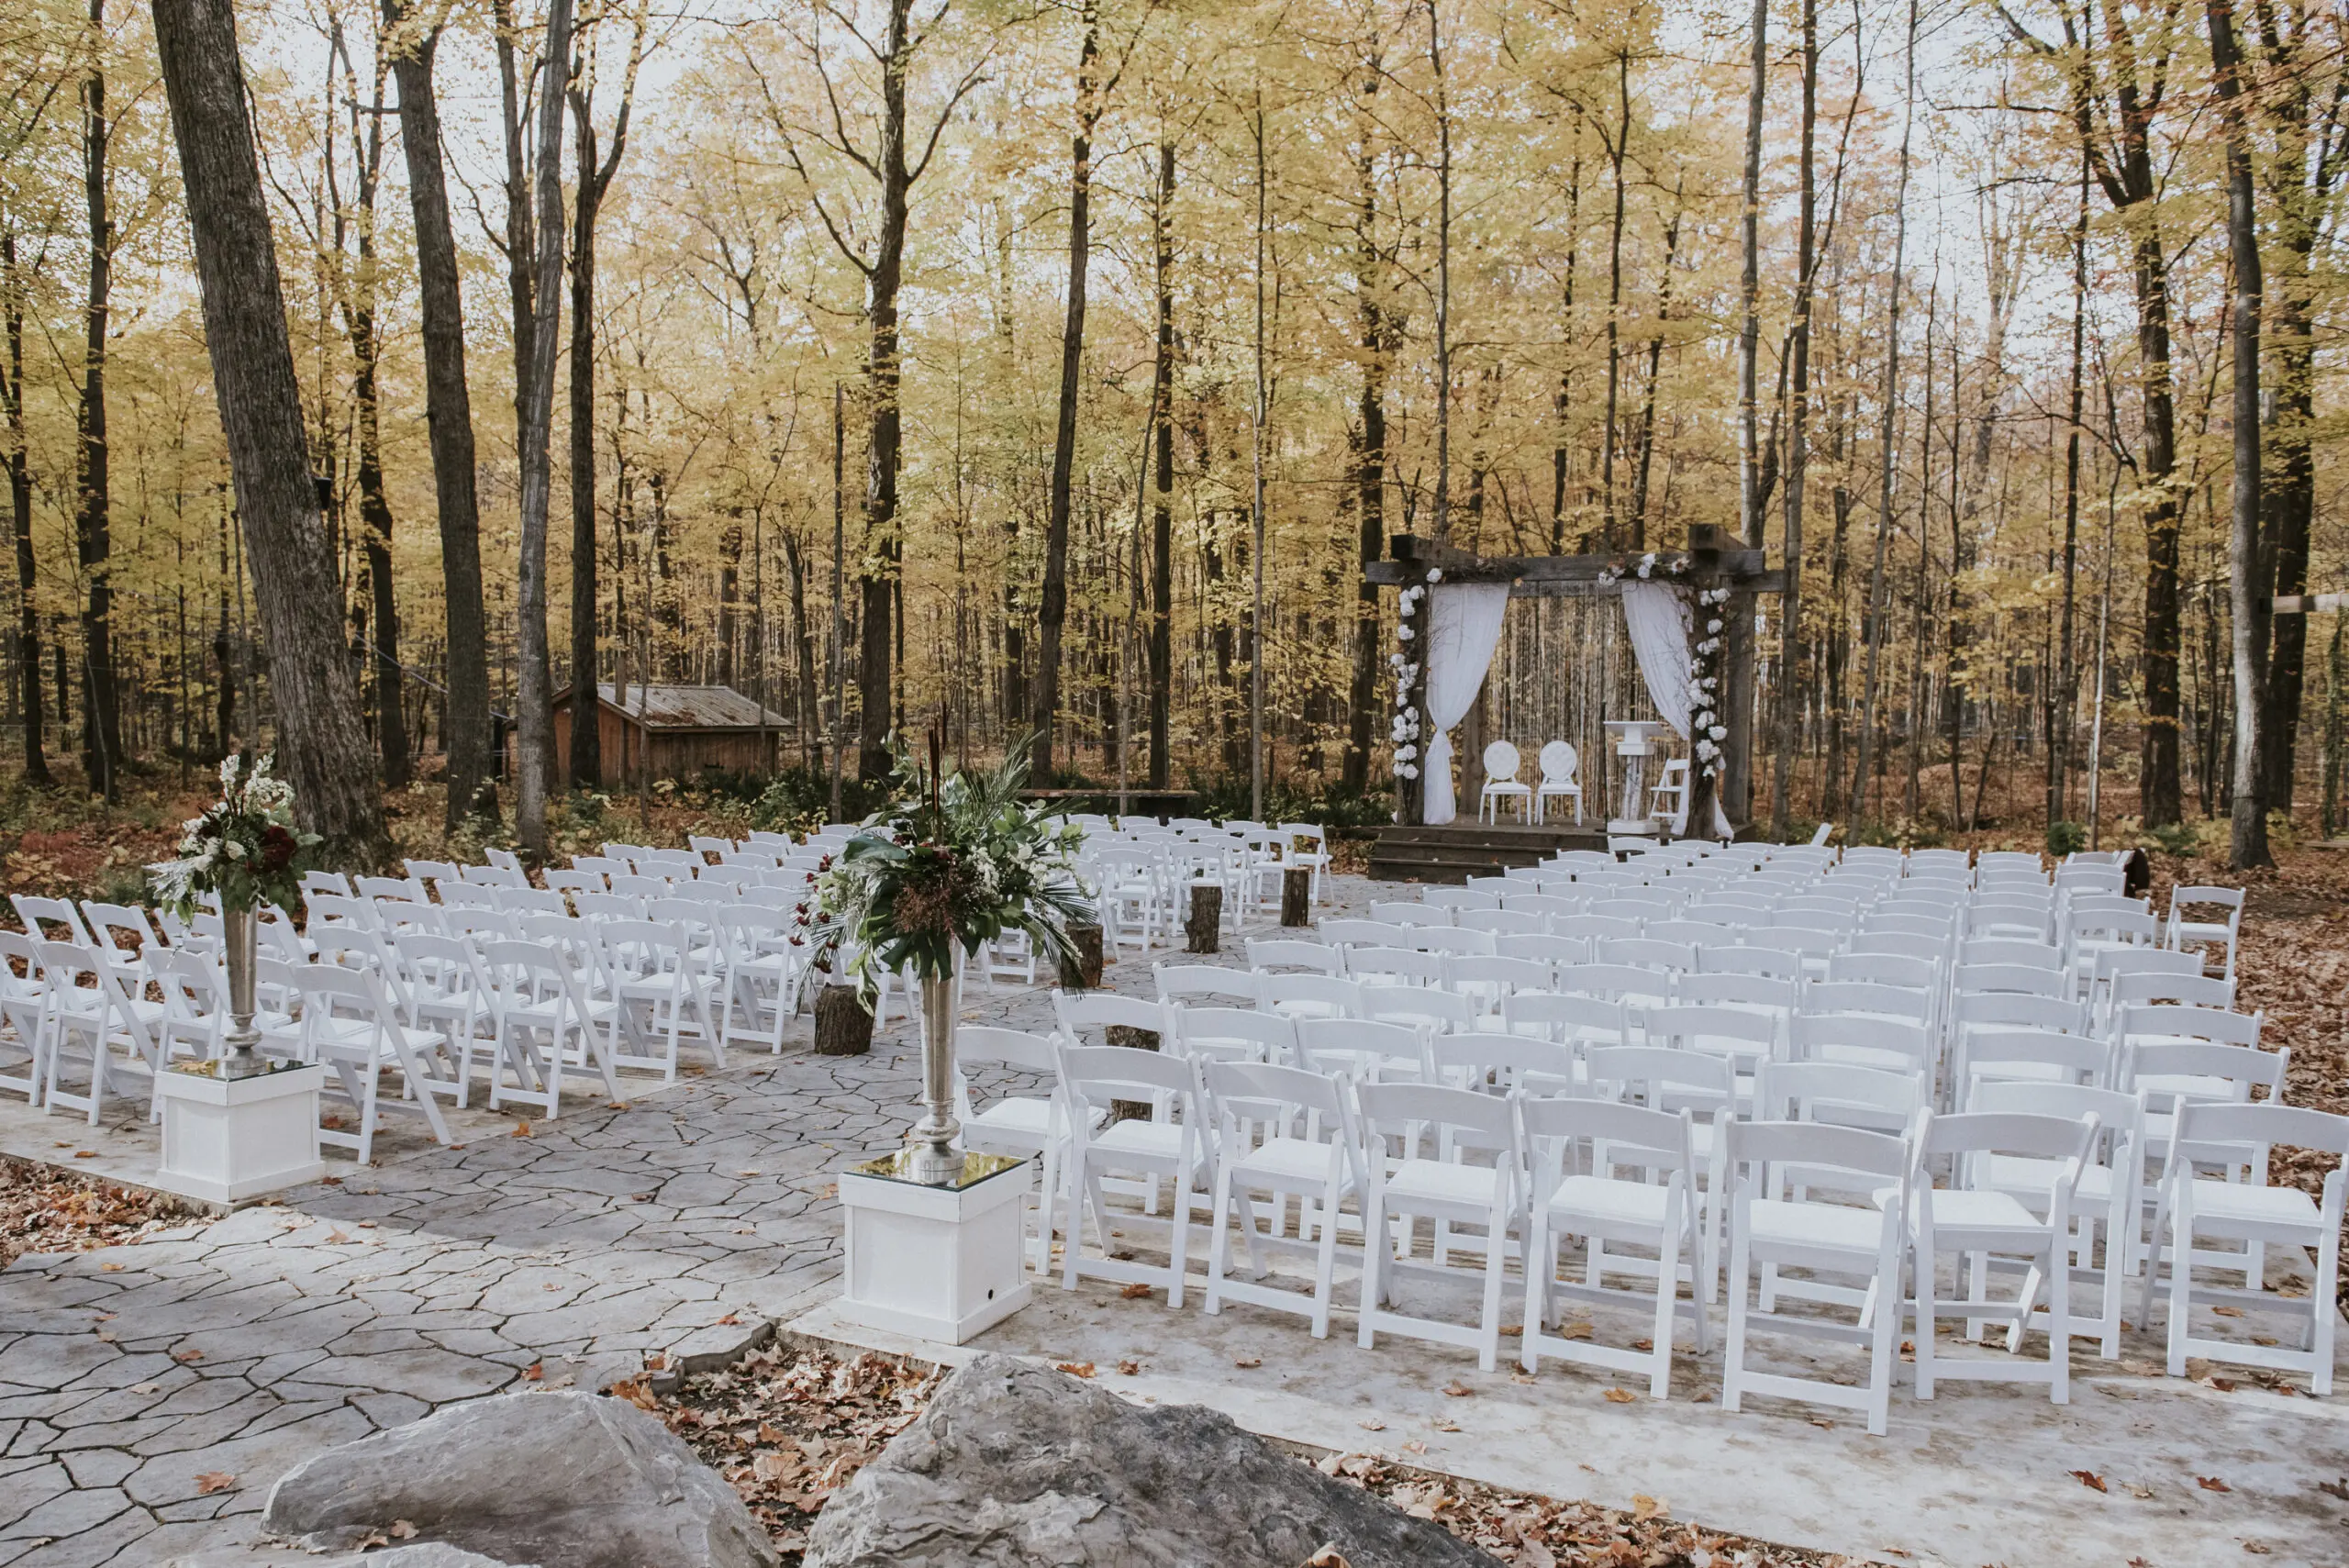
[[566, 1479], [1015, 1465]]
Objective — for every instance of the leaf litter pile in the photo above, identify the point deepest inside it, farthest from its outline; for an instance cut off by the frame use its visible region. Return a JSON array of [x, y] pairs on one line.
[[45, 1210], [788, 1427]]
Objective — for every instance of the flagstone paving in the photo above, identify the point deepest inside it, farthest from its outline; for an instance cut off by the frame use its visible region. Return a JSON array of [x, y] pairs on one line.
[[149, 1395]]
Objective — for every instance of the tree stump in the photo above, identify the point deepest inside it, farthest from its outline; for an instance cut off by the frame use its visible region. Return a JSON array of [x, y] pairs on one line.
[[1297, 895], [1132, 1039], [1083, 973], [843, 1023], [1206, 922]]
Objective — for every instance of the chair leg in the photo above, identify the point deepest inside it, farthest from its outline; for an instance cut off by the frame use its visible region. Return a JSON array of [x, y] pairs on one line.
[[1733, 1353], [1220, 1239], [1495, 1249], [2181, 1285], [1325, 1271], [1374, 1251], [1926, 1317], [2059, 1317], [1541, 1267], [1667, 1287]]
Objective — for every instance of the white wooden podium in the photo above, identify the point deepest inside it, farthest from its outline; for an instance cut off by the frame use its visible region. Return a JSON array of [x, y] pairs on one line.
[[1635, 742]]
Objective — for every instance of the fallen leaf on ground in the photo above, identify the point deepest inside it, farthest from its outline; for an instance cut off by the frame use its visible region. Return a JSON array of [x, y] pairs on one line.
[[1646, 1507], [1135, 1291], [212, 1481], [1129, 1368], [1457, 1389], [1327, 1557], [1415, 1446], [637, 1391], [1372, 1426], [1621, 1396], [522, 1129], [2336, 1488], [534, 1371], [2257, 1548], [1512, 1331], [2089, 1479], [1248, 1364], [1644, 1346], [730, 1321], [1075, 1369], [2225, 1384], [401, 1531], [1445, 1426], [336, 1237], [1574, 1331], [85, 1153], [2228, 1311], [187, 1355], [2211, 1483]]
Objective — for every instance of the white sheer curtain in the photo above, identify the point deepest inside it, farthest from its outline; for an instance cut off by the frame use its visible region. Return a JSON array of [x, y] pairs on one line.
[[1657, 617], [1462, 628]]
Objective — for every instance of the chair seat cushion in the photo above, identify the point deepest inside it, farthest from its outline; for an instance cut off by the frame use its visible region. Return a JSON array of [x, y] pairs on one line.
[[1444, 1181], [1828, 1225], [1299, 1159], [2259, 1206], [1605, 1198]]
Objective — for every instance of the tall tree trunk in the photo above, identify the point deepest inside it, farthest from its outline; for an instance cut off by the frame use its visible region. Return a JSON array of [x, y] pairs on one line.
[[1645, 445], [1789, 712], [1887, 449], [1615, 299], [1053, 611], [884, 547], [586, 762], [2060, 726], [2249, 567], [322, 748], [1370, 434], [1161, 513], [447, 411], [1442, 523], [20, 506], [533, 736], [1736, 780], [93, 522]]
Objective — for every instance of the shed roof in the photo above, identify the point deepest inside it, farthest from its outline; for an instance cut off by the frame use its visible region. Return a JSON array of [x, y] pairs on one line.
[[688, 707]]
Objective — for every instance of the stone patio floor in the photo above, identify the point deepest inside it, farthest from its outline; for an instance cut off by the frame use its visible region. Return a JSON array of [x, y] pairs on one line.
[[150, 1394]]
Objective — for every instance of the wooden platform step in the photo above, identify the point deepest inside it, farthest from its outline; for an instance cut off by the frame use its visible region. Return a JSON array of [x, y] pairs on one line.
[[1456, 851]]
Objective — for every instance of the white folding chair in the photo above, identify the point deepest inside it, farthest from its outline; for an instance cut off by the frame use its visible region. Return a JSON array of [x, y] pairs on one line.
[[23, 996], [2112, 1194], [1310, 996], [660, 983], [2233, 1140], [1577, 1148], [1231, 1034], [1022, 1125], [1173, 1144], [1269, 955], [1209, 983], [1988, 1226], [1362, 1049], [541, 1021], [1428, 1172], [349, 1026], [1281, 1133], [2198, 936], [1778, 1220]]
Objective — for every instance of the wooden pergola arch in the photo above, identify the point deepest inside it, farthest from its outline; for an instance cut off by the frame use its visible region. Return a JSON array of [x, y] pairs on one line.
[[1710, 562]]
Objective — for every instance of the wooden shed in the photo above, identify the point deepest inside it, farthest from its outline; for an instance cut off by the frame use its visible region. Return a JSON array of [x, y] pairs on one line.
[[681, 731]]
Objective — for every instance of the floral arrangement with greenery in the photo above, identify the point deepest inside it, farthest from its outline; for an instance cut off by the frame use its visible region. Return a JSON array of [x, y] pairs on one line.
[[244, 848], [953, 860]]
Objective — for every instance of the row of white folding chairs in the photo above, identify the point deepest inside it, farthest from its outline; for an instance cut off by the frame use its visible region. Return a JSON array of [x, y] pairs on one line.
[[1269, 1131]]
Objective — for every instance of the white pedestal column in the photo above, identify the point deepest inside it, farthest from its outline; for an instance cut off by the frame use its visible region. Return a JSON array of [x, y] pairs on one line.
[[937, 1262], [227, 1140], [1635, 744]]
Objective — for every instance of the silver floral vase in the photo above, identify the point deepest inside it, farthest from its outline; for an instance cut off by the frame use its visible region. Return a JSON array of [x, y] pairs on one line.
[[240, 930], [936, 1159]]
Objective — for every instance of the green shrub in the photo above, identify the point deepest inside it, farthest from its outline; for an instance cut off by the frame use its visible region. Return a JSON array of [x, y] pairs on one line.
[[2066, 838]]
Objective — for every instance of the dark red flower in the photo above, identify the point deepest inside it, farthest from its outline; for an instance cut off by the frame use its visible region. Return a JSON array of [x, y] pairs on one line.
[[277, 848]]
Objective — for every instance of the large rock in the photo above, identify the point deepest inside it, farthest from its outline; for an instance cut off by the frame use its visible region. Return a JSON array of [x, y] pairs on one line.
[[1017, 1467], [425, 1554], [569, 1480]]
